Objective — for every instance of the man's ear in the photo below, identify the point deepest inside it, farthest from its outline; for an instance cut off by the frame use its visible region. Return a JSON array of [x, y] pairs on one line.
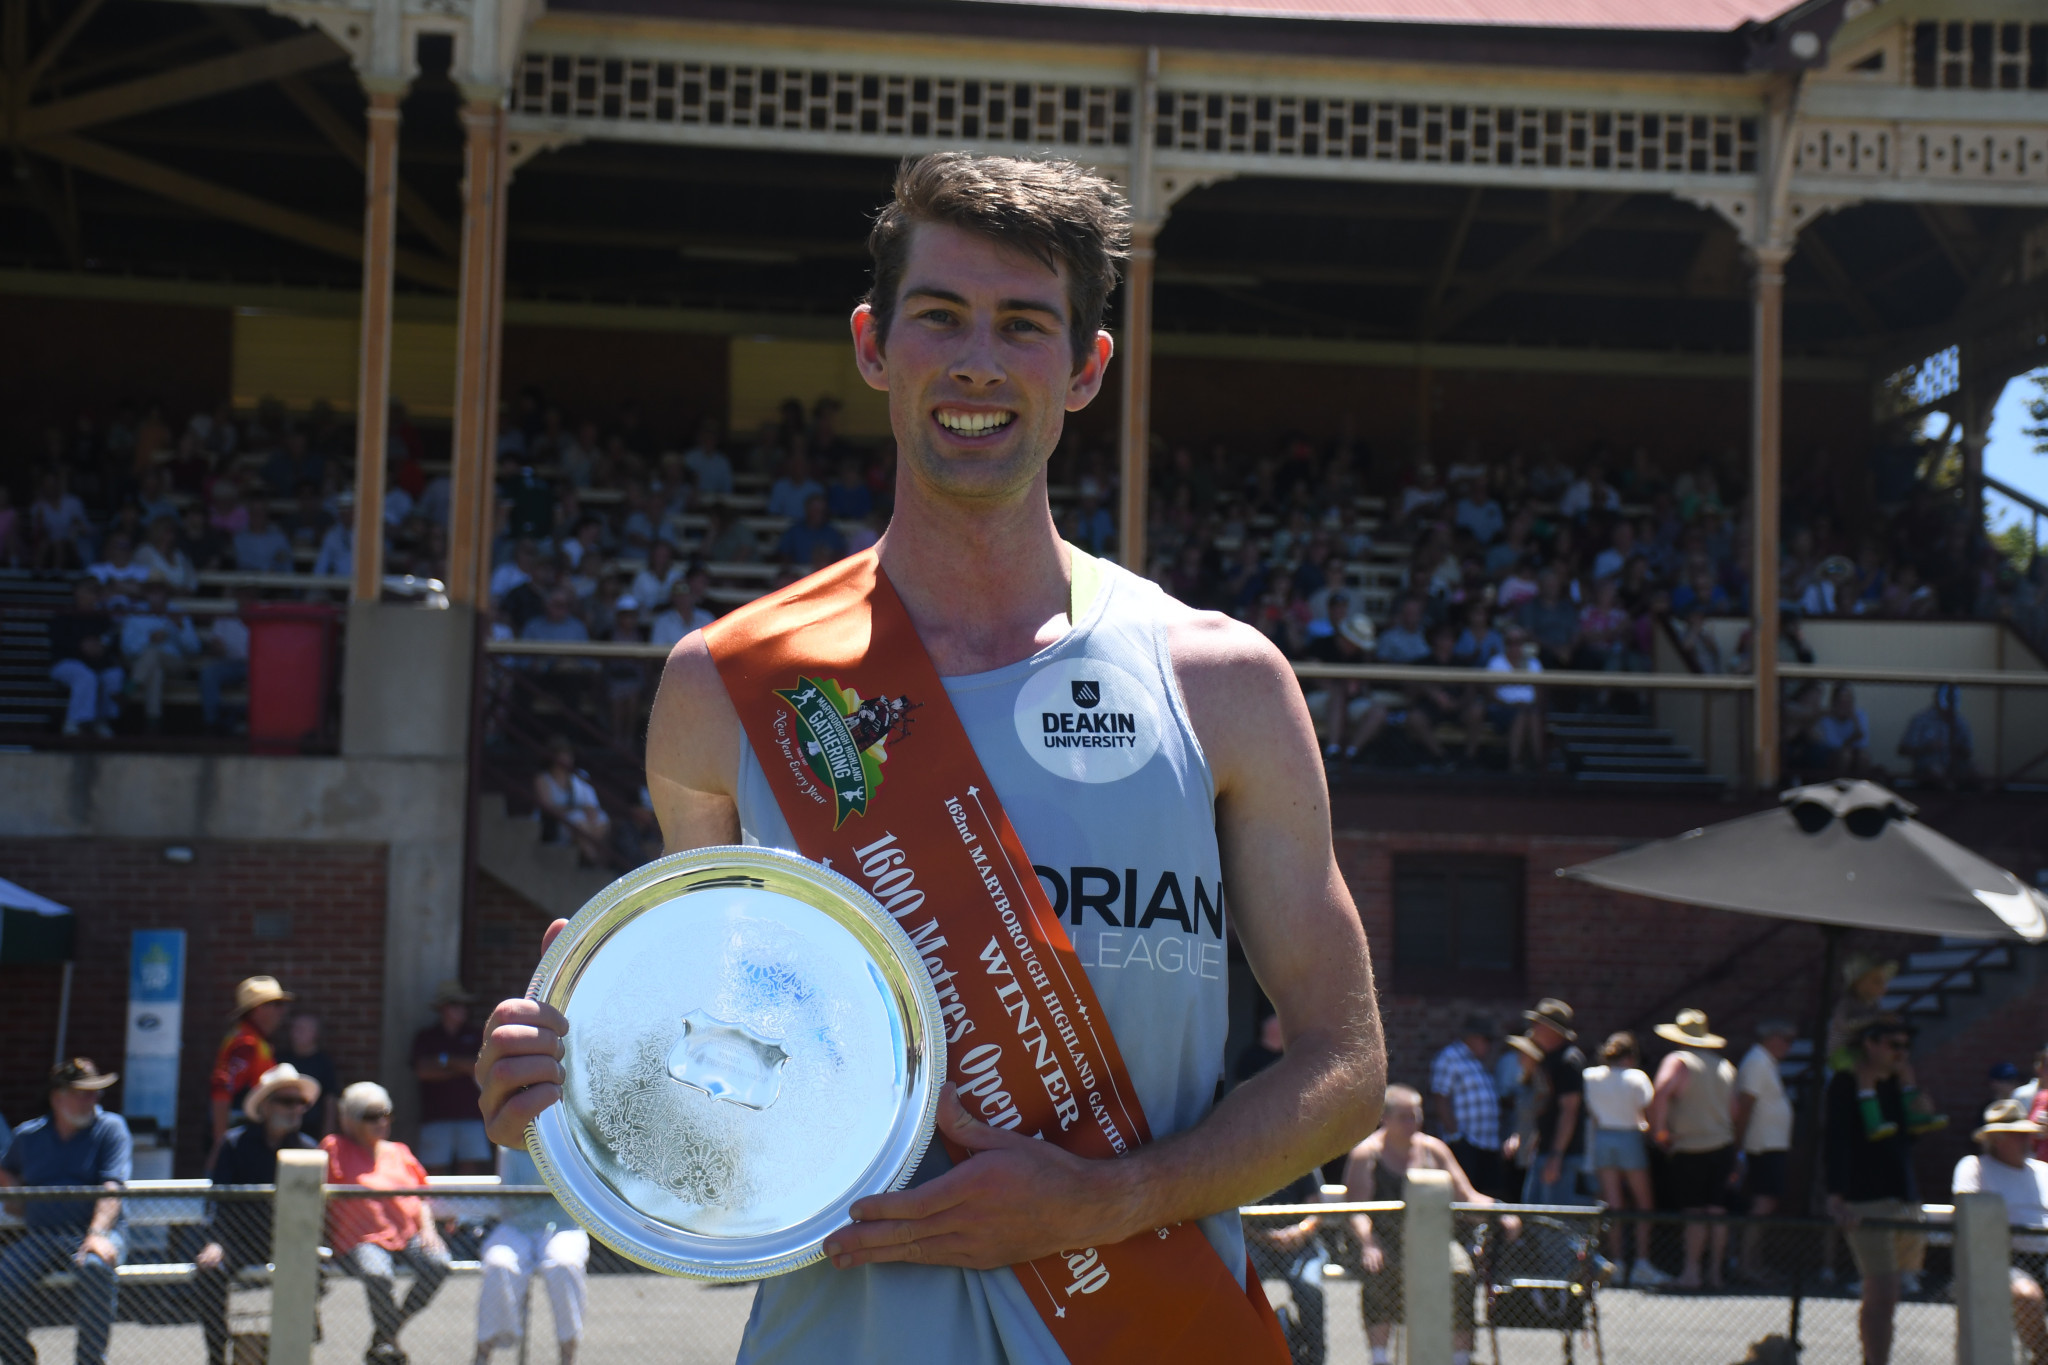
[[1088, 376], [867, 347]]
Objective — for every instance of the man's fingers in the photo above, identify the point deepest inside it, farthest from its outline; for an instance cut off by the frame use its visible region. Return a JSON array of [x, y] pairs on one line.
[[926, 1247], [920, 1201], [524, 1040], [547, 940], [530, 1013], [508, 1127], [517, 1073]]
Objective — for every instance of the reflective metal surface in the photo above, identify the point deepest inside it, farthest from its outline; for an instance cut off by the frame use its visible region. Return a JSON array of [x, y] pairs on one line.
[[753, 1045]]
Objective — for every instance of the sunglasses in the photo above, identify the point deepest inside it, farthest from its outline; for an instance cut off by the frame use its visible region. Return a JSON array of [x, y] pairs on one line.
[[288, 1101], [1865, 822], [376, 1116]]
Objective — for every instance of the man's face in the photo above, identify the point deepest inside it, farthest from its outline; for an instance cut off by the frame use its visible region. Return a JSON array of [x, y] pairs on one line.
[[266, 1017], [1411, 615], [283, 1111], [453, 1017], [978, 367], [1478, 1044], [1547, 1038], [74, 1107]]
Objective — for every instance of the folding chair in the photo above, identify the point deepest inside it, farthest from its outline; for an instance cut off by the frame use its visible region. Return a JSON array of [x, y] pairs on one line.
[[1546, 1279]]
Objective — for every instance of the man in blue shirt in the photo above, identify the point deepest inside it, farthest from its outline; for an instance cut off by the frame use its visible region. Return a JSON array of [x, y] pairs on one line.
[[75, 1144]]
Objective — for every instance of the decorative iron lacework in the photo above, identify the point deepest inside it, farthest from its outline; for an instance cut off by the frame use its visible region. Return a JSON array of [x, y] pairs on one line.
[[946, 110], [1292, 126], [1924, 152], [1958, 55]]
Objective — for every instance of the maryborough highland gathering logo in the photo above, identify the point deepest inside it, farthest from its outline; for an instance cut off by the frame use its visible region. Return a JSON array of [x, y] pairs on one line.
[[845, 739]]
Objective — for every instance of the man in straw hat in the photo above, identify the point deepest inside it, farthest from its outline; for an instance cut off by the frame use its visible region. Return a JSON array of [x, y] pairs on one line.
[[245, 1054], [2009, 1169], [1692, 1116], [77, 1143], [274, 1107], [452, 1140]]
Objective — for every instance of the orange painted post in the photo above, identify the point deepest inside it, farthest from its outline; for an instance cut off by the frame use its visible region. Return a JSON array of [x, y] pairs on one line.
[[476, 351], [1766, 431], [373, 382], [1137, 398]]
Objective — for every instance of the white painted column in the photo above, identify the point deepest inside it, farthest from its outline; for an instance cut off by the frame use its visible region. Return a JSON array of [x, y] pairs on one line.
[[1426, 1266], [298, 1220], [1983, 1288]]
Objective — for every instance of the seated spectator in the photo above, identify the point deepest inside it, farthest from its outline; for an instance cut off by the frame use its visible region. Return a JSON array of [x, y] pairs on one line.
[[801, 543], [1421, 497], [229, 515], [625, 680], [1938, 741], [158, 644], [680, 617], [1588, 494], [262, 547], [582, 549], [1478, 641], [58, 526], [337, 556], [1604, 630], [1434, 704], [557, 620], [1094, 529], [1518, 587], [161, 558], [239, 1233], [795, 487], [1610, 562], [533, 1235], [518, 569], [1697, 642], [226, 646], [2006, 1166], [1514, 709], [77, 1143], [83, 659], [1403, 642], [370, 1236], [204, 547], [707, 462], [1840, 738], [569, 810], [1552, 620], [653, 584], [310, 519], [1828, 589], [849, 497]]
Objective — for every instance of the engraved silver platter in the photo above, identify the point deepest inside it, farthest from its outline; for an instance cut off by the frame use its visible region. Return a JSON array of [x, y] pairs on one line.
[[753, 1045]]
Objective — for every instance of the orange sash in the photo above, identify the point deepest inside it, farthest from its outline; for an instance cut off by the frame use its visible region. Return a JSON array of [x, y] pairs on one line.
[[878, 780]]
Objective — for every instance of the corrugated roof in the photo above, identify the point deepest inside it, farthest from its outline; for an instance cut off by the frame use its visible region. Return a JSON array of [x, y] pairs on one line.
[[1696, 15]]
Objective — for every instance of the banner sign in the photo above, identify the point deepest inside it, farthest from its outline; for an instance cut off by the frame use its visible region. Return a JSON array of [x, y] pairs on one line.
[[156, 1010]]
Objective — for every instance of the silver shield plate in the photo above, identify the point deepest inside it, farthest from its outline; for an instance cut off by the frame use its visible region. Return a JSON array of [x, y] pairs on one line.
[[753, 1045]]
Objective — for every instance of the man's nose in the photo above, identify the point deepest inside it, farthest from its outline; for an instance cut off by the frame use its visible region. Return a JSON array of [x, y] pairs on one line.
[[978, 364]]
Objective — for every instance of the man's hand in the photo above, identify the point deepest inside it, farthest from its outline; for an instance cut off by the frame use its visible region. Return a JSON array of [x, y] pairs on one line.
[[1553, 1168], [1371, 1255], [210, 1256], [100, 1245], [520, 1069], [1013, 1200], [1839, 1210]]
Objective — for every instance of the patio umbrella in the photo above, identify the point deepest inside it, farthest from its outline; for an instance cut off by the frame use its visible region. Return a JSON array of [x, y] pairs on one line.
[[35, 929], [1844, 853]]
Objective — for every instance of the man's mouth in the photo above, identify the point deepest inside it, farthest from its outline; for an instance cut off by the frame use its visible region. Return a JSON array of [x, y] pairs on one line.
[[973, 422]]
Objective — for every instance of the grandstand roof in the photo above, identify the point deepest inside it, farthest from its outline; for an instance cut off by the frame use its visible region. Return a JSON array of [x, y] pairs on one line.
[[1697, 15]]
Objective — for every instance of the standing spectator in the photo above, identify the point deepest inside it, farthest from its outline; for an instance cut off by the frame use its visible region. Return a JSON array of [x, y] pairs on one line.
[[1938, 741], [452, 1140], [157, 645], [370, 1235], [81, 649], [245, 1053], [681, 616], [1617, 1093], [2029, 1091], [1692, 1116], [1870, 1175], [1377, 1171], [1524, 1088], [240, 1235], [302, 1049], [226, 647], [2003, 1080], [1467, 1105], [1553, 1175], [2008, 1169], [537, 1236], [77, 1143], [1763, 1129]]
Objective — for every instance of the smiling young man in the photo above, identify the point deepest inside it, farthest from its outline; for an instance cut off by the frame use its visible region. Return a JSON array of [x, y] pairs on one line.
[[1155, 763]]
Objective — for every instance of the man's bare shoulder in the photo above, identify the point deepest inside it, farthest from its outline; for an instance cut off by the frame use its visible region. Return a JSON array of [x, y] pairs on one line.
[[1241, 693], [693, 732]]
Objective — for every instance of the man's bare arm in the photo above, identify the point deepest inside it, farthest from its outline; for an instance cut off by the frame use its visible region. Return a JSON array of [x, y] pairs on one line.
[[1018, 1199]]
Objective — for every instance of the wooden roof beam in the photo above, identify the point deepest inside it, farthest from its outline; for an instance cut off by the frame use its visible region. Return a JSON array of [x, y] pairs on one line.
[[1526, 259], [1447, 267], [200, 80], [74, 22], [1818, 254], [235, 206]]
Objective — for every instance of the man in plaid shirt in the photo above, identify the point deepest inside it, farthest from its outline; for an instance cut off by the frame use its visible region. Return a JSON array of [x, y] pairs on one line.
[[1466, 1104]]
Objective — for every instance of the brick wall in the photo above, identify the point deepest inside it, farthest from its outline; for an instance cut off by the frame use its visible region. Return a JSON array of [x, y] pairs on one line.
[[504, 941], [311, 915]]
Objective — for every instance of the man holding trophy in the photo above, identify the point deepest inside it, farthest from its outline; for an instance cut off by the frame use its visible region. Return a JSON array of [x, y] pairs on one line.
[[1053, 779]]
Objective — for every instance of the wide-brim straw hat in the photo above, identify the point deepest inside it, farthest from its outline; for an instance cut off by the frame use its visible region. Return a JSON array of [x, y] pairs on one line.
[[2006, 1116], [451, 992], [1556, 1014], [79, 1073], [1690, 1030], [283, 1076], [257, 990], [1358, 629], [1527, 1046]]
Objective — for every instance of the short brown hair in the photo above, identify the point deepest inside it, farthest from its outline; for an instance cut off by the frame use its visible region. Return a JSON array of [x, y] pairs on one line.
[[1619, 1045], [1052, 210]]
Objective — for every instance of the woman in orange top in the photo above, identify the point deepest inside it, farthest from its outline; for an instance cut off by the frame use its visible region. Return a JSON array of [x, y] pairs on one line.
[[370, 1235]]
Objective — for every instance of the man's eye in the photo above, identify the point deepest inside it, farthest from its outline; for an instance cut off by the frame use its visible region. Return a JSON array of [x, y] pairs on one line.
[[936, 315], [1024, 325]]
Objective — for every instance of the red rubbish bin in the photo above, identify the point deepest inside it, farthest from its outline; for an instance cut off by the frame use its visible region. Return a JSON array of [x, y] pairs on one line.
[[291, 652]]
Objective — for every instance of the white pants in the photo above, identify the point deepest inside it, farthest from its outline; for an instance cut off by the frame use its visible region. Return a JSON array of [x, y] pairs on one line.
[[511, 1255]]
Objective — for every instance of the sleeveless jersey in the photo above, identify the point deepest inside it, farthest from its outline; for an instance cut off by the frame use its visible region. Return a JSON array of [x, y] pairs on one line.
[[1088, 745]]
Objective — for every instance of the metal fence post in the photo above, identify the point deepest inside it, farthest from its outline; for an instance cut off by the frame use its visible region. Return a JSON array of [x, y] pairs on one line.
[[297, 1220], [1426, 1266], [1983, 1284]]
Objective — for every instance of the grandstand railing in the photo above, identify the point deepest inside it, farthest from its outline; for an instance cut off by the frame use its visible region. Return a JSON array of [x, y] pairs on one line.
[[1524, 1279]]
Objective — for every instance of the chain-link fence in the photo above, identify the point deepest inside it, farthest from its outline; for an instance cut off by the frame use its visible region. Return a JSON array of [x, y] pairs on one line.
[[503, 1267]]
